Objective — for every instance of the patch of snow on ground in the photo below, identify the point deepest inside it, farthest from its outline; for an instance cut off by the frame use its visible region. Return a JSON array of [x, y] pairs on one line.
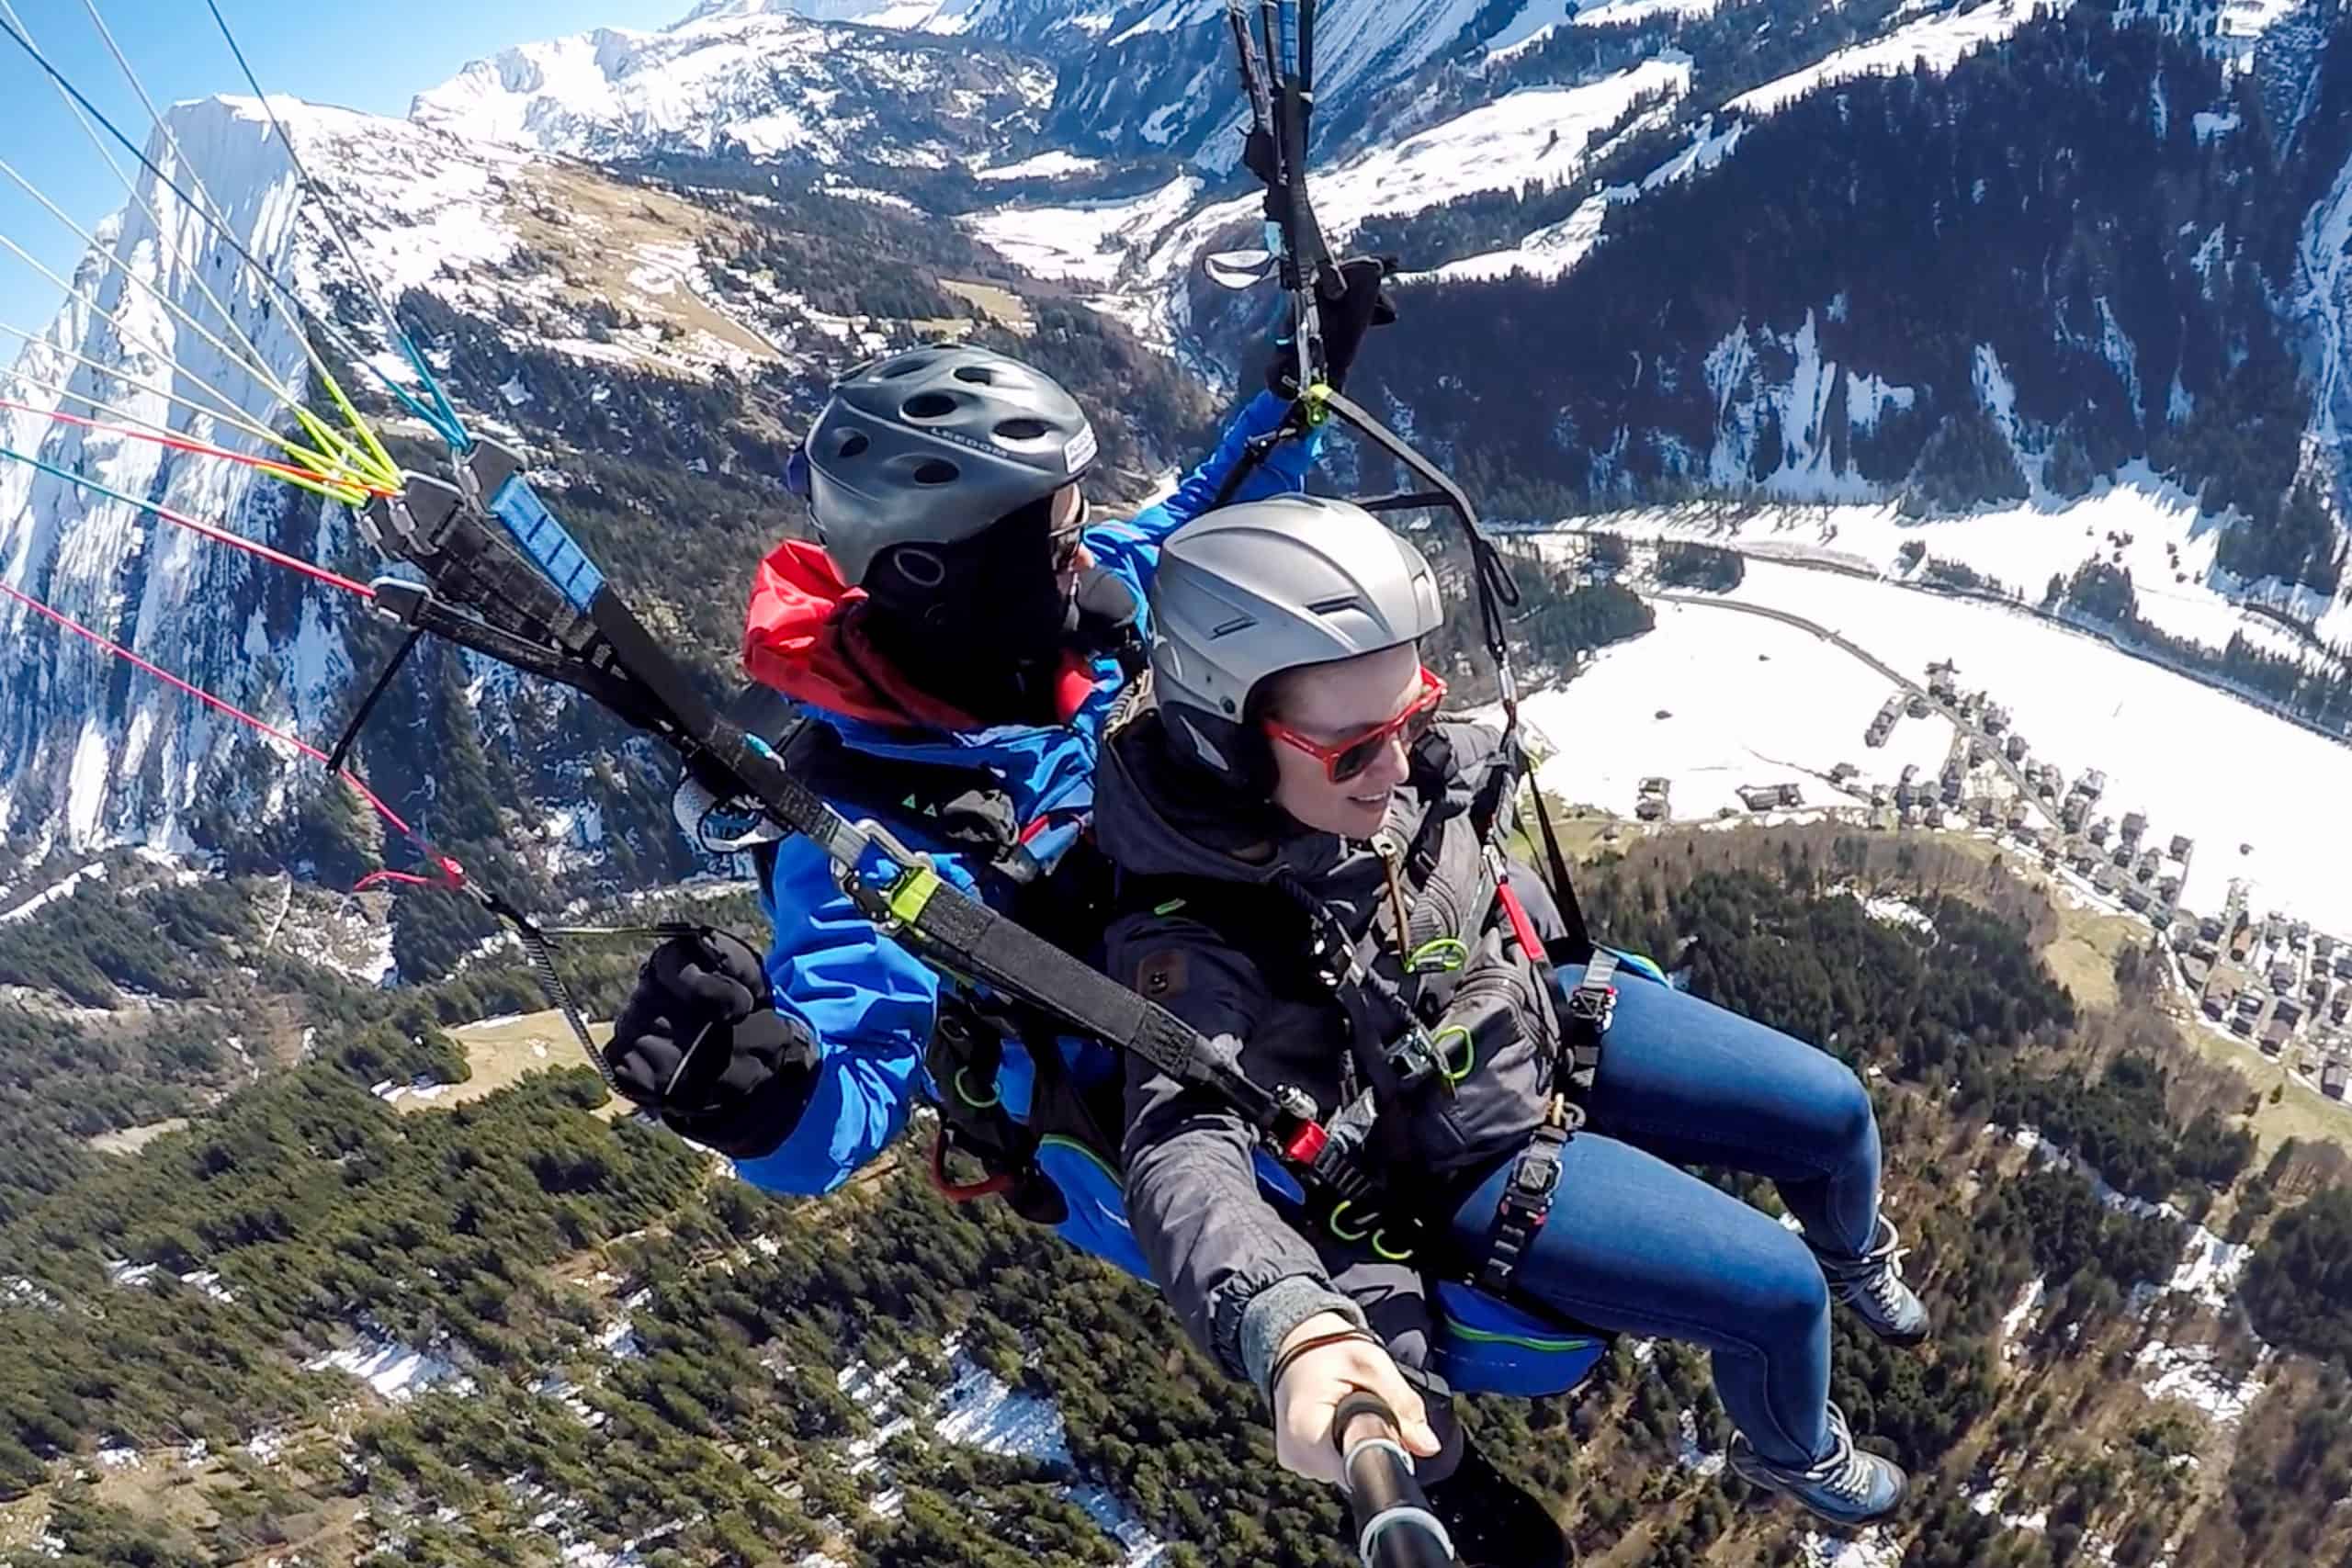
[[1144, 1550], [1937, 43], [981, 1410], [1088, 242], [117, 1457], [2022, 1315], [1872, 1547], [1549, 252], [395, 1370], [19, 1291], [1535, 21], [93, 872], [1898, 912], [2194, 1373], [2209, 1268], [1624, 13], [1689, 1454], [1044, 165]]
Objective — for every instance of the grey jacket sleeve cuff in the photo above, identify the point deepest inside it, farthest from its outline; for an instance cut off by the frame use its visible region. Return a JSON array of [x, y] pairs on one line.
[[1278, 1309]]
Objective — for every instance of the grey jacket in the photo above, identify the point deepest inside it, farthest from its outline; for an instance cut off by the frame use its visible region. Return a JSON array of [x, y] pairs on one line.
[[1233, 963]]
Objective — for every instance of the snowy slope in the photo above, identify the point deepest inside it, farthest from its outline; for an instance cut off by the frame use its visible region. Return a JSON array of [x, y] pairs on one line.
[[766, 83], [1138, 251], [81, 753], [2322, 306], [1937, 43], [1555, 248]]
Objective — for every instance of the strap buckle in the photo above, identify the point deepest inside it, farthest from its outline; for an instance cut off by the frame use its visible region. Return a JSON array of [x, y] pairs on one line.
[[1416, 1056], [1592, 1005], [889, 882]]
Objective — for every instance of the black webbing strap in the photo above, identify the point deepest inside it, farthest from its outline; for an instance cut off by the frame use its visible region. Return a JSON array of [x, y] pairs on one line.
[[1576, 945], [1534, 1180], [383, 683]]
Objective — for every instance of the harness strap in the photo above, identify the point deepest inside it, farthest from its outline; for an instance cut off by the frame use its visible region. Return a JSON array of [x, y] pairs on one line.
[[1534, 1180]]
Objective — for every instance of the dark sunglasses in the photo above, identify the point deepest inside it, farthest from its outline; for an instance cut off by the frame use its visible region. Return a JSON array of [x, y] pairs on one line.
[[1344, 758]]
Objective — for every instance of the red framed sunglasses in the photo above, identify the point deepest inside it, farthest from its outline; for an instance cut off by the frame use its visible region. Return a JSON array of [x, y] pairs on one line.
[[1344, 758]]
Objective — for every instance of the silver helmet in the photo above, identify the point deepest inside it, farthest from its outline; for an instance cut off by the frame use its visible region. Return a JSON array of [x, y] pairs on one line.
[[1250, 591], [931, 445]]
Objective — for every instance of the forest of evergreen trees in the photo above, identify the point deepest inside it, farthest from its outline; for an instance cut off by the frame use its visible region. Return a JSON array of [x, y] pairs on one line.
[[304, 1208]]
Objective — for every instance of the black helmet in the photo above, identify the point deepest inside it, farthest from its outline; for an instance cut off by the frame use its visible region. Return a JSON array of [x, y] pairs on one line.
[[931, 447]]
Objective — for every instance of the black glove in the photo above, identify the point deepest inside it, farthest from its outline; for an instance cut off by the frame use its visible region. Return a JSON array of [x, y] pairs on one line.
[[1363, 305], [701, 1044]]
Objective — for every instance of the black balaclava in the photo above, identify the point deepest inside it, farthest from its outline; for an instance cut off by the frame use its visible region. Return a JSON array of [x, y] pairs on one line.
[[981, 623]]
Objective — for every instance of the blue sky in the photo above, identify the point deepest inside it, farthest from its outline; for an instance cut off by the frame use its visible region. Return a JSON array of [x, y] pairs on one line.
[[372, 57]]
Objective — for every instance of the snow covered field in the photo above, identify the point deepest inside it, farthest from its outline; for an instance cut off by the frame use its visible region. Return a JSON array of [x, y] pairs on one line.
[[2196, 760], [1751, 702], [2171, 552], [1713, 699]]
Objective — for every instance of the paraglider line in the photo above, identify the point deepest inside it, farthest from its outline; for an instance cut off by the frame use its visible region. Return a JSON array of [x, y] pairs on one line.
[[264, 727], [442, 417], [359, 489], [218, 535], [206, 211]]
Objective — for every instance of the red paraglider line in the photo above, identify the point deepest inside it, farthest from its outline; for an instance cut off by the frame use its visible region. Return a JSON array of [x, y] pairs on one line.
[[450, 875], [196, 448], [195, 525]]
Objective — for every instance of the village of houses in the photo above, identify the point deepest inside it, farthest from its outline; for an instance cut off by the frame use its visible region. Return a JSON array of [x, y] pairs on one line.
[[2267, 980]]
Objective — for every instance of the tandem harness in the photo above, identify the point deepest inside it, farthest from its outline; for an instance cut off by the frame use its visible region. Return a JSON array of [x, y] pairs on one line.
[[1534, 1180]]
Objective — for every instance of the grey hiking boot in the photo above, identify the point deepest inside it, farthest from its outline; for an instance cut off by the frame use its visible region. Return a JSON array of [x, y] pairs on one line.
[[1849, 1487], [1872, 1285]]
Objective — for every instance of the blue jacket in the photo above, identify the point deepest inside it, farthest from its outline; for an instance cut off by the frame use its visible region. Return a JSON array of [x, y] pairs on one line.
[[868, 1003]]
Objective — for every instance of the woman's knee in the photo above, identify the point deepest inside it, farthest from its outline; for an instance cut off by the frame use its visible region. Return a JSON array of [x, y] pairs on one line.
[[1784, 1294], [1849, 1118]]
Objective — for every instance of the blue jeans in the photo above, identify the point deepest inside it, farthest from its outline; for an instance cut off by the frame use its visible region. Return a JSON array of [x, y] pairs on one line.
[[1635, 1244]]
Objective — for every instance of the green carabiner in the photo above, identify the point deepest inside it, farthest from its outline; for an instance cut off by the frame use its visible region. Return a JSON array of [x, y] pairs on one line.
[[1380, 1246], [1332, 1223], [1439, 956], [995, 1099], [1451, 1074]]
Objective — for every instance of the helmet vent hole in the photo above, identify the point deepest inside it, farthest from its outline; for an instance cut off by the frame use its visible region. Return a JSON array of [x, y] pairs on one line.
[[854, 444], [928, 405], [919, 568], [897, 368], [1332, 606], [1021, 429], [936, 471], [978, 374]]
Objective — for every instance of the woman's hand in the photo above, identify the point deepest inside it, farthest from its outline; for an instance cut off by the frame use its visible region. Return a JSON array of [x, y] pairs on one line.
[[1311, 1387]]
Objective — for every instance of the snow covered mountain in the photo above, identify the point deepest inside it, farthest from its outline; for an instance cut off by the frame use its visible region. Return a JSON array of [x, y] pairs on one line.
[[620, 280], [920, 82], [756, 81], [1649, 255], [85, 753]]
